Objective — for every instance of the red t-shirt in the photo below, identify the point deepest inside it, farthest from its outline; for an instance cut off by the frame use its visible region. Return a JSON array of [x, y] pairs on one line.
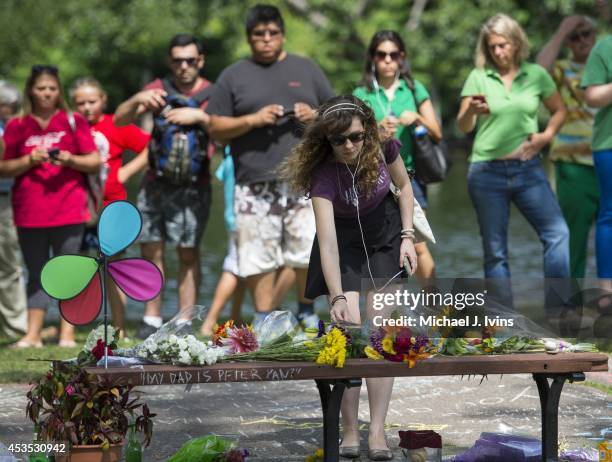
[[112, 141], [49, 195]]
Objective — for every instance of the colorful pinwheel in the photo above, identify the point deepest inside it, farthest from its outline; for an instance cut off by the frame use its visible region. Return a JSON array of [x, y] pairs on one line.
[[79, 282]]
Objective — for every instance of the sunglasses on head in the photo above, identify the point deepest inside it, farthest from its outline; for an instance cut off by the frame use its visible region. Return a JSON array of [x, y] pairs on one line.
[[44, 68], [339, 140], [180, 61], [382, 55], [580, 35]]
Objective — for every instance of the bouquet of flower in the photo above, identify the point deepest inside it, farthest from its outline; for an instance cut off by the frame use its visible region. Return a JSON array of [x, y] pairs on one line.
[[209, 448], [559, 346], [398, 344], [329, 348], [236, 339], [93, 349], [277, 327], [183, 350]]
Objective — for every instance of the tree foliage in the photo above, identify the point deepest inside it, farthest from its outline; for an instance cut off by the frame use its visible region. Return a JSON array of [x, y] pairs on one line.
[[123, 42]]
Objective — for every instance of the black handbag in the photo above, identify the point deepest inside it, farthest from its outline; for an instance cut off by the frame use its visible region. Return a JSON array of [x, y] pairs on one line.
[[431, 160]]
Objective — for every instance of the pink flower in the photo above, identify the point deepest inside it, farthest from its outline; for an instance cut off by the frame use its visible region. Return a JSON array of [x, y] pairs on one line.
[[70, 390], [240, 340]]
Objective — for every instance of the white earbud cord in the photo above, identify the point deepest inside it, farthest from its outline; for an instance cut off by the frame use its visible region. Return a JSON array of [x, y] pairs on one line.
[[365, 249]]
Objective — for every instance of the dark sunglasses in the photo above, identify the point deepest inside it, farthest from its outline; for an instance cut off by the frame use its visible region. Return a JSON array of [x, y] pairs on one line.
[[262, 33], [189, 61], [339, 140], [585, 34], [382, 55], [44, 68]]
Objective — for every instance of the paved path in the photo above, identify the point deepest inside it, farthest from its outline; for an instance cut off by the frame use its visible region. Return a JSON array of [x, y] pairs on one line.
[[282, 421]]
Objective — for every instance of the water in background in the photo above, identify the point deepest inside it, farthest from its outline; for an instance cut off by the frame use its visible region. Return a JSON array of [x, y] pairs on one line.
[[458, 252]]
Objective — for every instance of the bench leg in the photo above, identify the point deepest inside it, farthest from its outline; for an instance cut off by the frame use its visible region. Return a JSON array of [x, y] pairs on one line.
[[331, 392], [550, 393]]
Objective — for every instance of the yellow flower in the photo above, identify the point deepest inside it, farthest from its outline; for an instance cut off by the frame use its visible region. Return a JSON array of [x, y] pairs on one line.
[[412, 357], [387, 345], [372, 353], [317, 457], [334, 351]]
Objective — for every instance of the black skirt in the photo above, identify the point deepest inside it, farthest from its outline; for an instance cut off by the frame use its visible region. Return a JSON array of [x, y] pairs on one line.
[[381, 230]]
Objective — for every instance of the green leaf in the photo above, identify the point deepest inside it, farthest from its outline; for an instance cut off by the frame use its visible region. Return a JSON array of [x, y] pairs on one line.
[[77, 410], [65, 276]]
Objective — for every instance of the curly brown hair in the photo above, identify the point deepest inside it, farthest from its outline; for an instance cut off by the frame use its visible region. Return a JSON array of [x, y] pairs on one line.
[[315, 149]]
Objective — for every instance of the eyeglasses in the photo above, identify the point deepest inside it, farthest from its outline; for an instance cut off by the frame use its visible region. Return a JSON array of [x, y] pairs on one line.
[[339, 140], [179, 61], [585, 34], [382, 55], [261, 33], [44, 68]]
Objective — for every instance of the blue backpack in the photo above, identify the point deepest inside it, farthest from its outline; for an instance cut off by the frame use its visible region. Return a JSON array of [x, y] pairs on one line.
[[178, 153]]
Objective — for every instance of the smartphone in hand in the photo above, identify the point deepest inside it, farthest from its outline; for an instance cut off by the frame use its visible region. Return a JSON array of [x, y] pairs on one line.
[[53, 153], [288, 112], [407, 265]]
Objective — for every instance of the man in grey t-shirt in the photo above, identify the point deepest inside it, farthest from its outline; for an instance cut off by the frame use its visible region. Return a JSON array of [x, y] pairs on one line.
[[258, 106]]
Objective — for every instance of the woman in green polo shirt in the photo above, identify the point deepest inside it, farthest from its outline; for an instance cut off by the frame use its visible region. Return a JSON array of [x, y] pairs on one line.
[[598, 82], [400, 103], [501, 98]]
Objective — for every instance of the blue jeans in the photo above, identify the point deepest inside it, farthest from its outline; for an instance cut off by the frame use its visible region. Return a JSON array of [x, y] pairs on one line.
[[493, 185], [603, 231]]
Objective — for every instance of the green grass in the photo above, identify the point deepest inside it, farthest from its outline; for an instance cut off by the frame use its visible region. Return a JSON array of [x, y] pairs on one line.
[[23, 365], [599, 386]]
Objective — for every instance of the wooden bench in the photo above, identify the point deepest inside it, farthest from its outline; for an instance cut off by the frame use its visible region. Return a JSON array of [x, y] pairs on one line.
[[549, 372]]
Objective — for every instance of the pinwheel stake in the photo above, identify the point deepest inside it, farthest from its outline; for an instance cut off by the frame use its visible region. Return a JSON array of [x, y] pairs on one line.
[[79, 282]]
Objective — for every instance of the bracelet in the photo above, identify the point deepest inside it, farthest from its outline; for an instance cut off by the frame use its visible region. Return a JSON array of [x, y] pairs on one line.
[[336, 298], [408, 230]]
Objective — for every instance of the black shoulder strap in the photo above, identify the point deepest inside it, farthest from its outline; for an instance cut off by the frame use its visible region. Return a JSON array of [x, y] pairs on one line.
[[203, 95], [169, 87], [199, 97], [413, 91]]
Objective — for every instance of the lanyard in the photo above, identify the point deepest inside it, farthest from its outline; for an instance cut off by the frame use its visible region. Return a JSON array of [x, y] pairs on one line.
[[385, 107]]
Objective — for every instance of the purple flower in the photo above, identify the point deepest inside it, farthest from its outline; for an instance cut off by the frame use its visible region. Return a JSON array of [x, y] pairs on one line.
[[70, 390], [321, 332], [421, 341], [376, 340]]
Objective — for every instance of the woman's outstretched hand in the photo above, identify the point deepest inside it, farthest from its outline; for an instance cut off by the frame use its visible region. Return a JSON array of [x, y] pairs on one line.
[[340, 311]]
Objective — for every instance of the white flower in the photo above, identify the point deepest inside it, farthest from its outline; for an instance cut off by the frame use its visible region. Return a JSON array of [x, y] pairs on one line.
[[210, 356], [98, 333], [184, 357]]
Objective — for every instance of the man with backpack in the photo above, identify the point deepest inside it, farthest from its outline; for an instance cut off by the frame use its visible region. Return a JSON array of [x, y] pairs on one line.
[[175, 195], [259, 105]]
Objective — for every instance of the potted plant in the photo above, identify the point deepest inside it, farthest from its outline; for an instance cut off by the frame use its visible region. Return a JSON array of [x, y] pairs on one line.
[[89, 413]]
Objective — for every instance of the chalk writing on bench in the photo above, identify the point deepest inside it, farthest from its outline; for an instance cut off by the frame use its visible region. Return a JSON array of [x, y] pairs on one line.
[[219, 375]]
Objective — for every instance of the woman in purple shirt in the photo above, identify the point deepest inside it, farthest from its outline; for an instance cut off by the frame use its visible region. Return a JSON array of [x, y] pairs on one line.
[[362, 232]]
